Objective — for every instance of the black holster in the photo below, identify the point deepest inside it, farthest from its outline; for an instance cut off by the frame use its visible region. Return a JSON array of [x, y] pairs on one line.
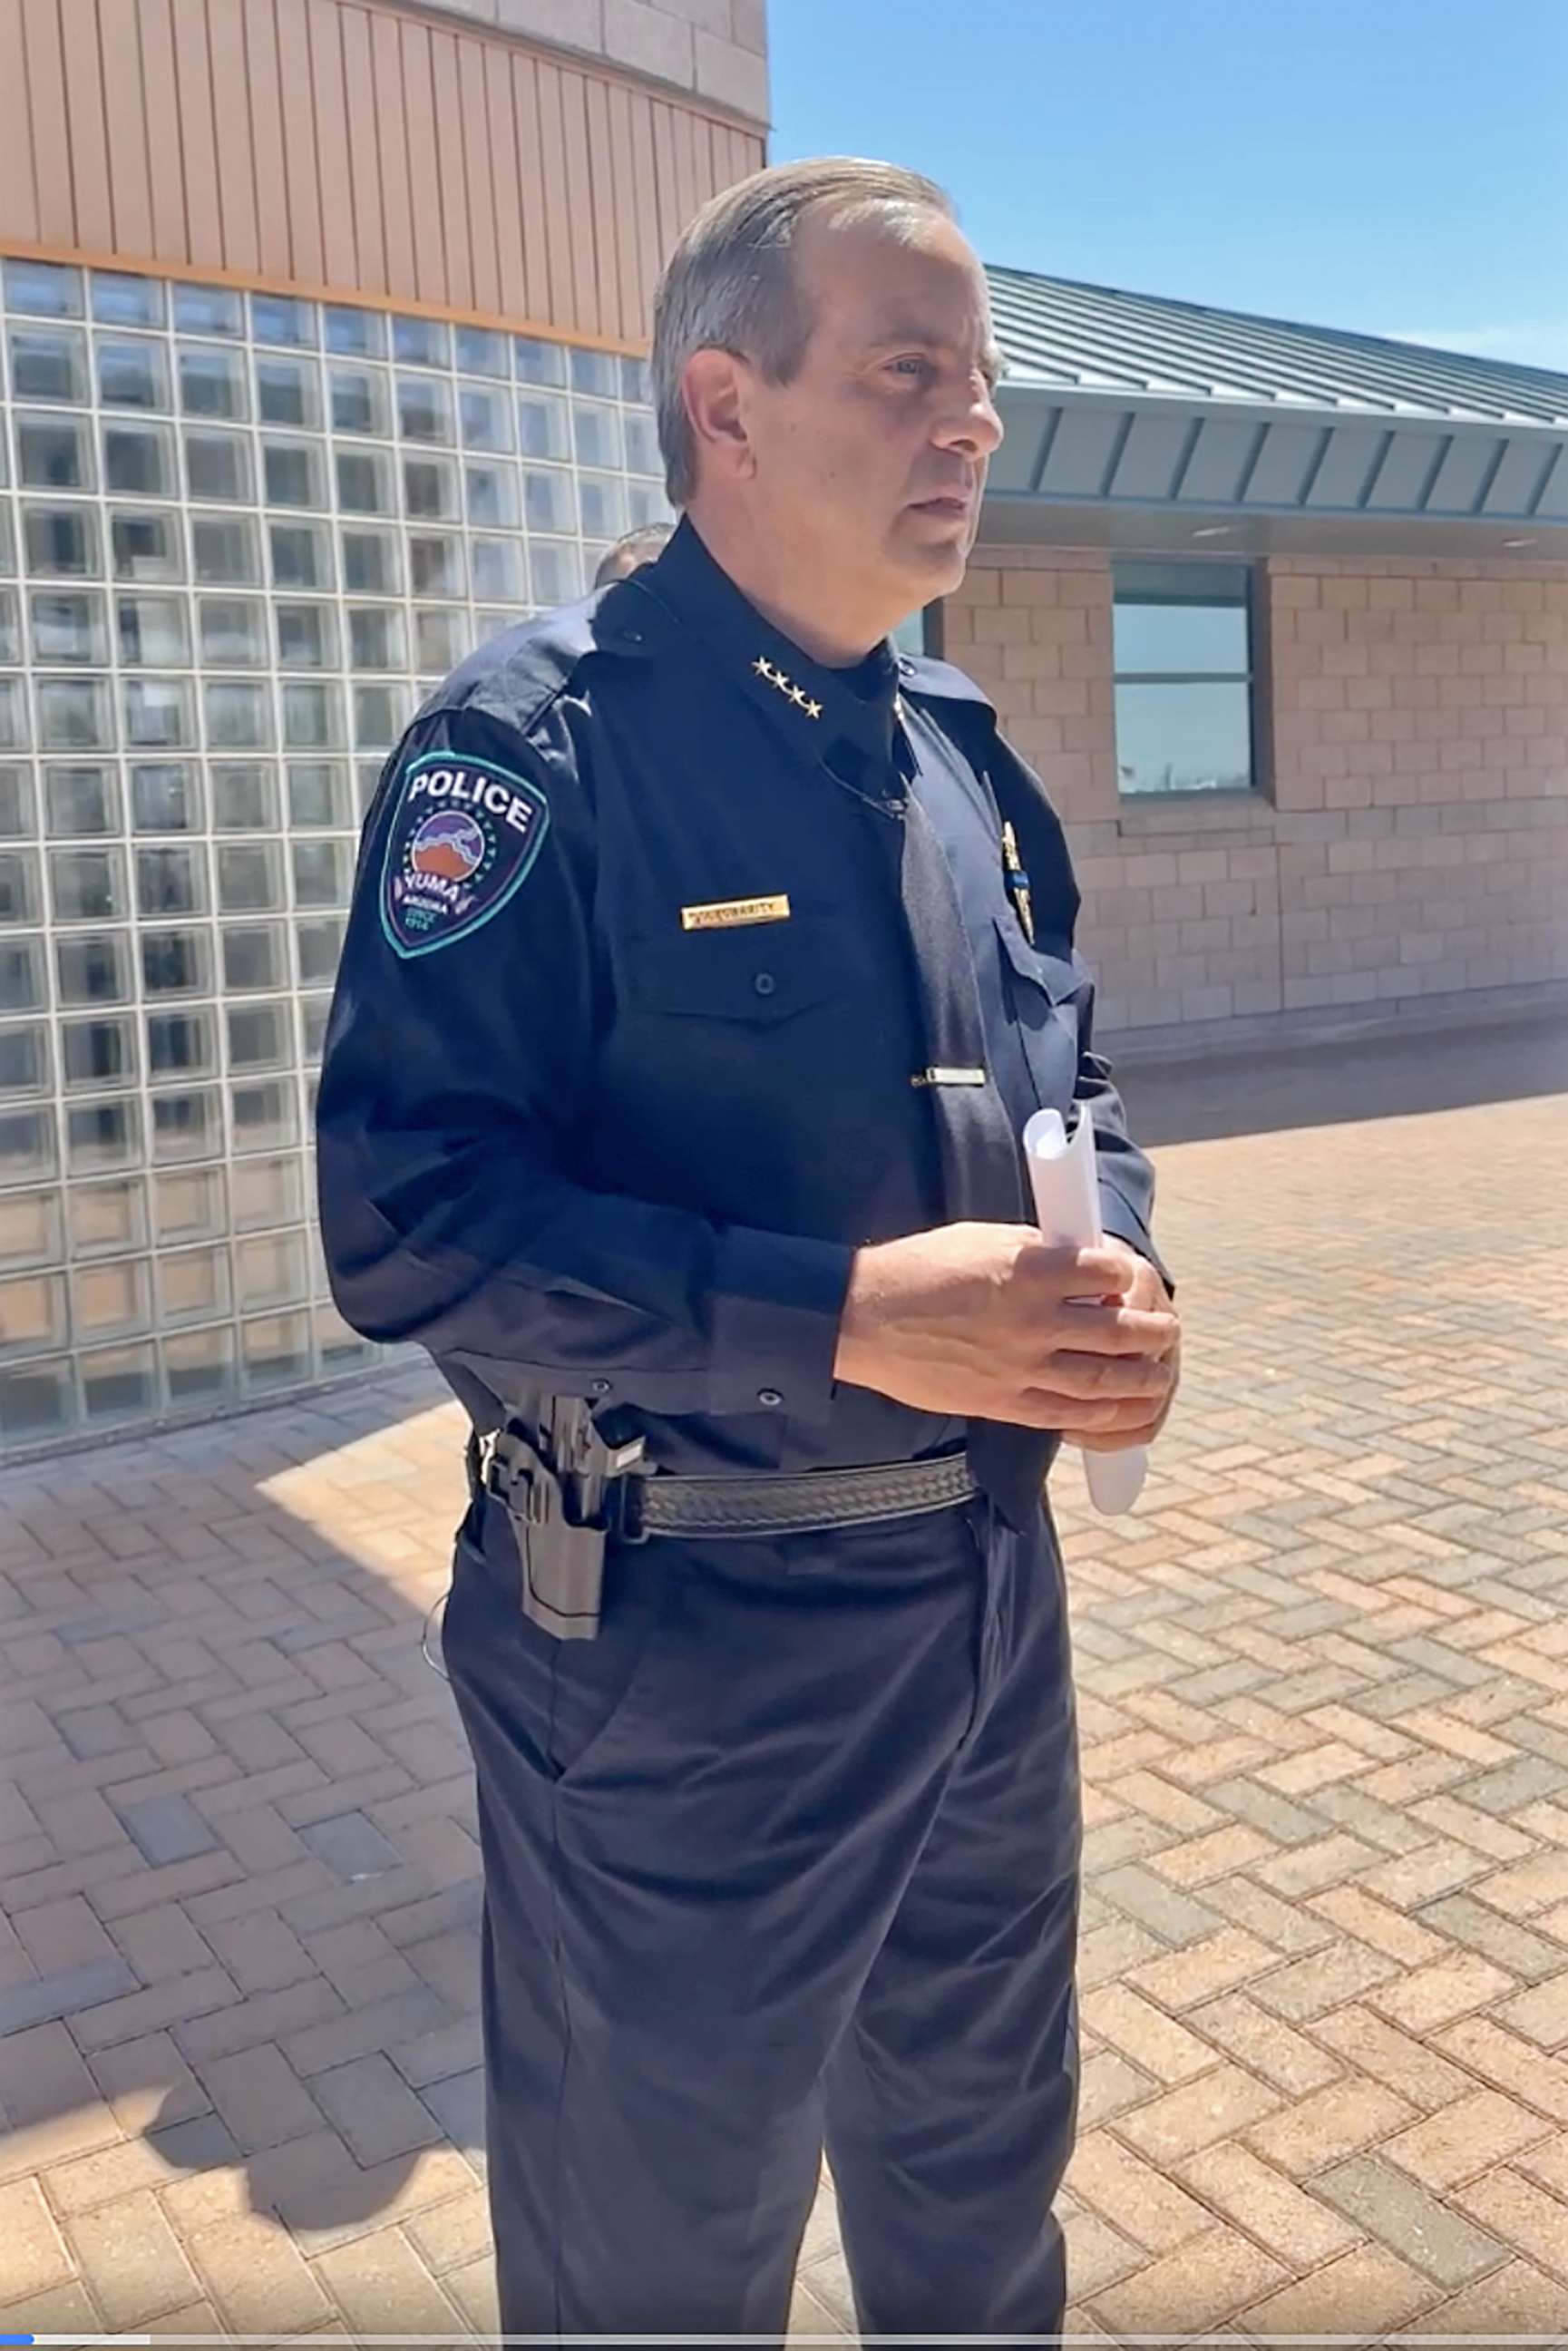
[[563, 1486]]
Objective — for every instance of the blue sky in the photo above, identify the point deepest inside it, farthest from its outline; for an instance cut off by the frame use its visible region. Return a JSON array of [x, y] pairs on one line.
[[1399, 166]]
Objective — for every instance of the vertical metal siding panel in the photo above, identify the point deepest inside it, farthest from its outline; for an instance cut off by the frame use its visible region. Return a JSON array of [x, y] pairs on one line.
[[264, 78], [51, 125], [559, 306], [338, 255], [688, 189], [602, 180], [299, 143], [18, 196], [130, 179], [397, 215], [89, 128], [364, 154], [579, 199], [506, 186], [473, 57], [198, 140], [442, 161], [165, 162], [236, 156], [645, 199], [533, 204], [623, 171], [415, 163], [668, 194]]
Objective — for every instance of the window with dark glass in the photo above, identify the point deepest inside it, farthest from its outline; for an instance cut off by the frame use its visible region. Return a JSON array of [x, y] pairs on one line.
[[422, 342], [288, 392], [145, 546], [211, 383], [223, 549], [69, 628], [52, 453], [48, 363], [61, 542], [1184, 668], [208, 310], [138, 460], [173, 963], [120, 300], [131, 373], [94, 968], [152, 632]]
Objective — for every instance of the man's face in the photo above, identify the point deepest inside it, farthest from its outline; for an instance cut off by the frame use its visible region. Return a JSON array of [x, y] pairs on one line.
[[870, 462]]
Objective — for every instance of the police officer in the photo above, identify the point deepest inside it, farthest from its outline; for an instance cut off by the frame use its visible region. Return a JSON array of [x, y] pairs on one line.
[[706, 962], [631, 550]]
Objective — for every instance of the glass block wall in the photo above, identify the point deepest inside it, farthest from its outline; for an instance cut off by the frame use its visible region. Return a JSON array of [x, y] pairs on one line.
[[240, 536]]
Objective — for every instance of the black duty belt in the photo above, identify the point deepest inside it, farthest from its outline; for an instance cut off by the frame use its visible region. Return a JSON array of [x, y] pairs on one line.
[[813, 1501]]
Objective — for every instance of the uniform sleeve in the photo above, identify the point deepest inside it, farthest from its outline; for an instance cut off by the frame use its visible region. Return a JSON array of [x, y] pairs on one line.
[[1127, 1178], [458, 1055]]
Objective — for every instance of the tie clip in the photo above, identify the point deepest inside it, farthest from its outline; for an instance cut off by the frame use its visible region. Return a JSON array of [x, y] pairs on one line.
[[945, 1077]]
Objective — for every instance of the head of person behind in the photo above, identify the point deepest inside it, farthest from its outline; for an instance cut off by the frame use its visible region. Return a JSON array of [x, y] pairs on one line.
[[823, 371], [631, 550]]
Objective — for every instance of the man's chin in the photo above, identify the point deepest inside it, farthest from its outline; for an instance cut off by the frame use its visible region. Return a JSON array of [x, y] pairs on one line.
[[935, 561]]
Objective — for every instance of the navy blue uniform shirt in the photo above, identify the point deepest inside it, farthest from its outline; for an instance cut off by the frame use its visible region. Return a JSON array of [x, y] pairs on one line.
[[622, 1062]]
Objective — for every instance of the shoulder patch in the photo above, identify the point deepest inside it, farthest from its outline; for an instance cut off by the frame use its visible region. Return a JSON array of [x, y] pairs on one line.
[[464, 836]]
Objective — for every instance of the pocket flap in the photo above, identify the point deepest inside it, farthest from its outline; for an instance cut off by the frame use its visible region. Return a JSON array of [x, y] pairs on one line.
[[1055, 972], [765, 971]]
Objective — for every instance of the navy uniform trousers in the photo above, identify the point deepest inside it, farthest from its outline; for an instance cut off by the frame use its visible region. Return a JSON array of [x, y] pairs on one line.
[[787, 1855]]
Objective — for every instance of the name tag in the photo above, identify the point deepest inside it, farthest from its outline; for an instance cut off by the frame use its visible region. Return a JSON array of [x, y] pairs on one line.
[[729, 913]]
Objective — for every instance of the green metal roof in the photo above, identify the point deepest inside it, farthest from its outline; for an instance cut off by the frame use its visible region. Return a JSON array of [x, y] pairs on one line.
[[1139, 416], [1056, 332]]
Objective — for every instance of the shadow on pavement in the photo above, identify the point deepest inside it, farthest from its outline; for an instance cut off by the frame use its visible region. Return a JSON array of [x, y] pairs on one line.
[[1342, 1082], [239, 1879]]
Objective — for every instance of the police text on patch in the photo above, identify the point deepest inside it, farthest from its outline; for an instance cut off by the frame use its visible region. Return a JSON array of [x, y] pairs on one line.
[[464, 835]]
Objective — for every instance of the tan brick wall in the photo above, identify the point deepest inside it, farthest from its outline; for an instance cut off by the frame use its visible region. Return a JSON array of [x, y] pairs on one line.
[[1414, 837]]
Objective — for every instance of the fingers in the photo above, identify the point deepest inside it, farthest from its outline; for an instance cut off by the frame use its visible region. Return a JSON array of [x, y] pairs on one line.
[[1060, 1274], [1119, 1421], [1106, 1379], [1123, 1330]]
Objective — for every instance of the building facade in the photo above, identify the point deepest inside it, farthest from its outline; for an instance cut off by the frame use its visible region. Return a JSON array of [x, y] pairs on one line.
[[1280, 613], [324, 324]]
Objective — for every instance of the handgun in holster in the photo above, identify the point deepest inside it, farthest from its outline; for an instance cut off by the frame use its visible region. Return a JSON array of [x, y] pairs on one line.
[[564, 1486]]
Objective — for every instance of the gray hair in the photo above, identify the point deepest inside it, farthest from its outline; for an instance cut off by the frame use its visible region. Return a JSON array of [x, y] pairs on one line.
[[730, 284], [631, 550]]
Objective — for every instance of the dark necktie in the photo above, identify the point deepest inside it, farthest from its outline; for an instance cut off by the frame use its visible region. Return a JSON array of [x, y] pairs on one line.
[[982, 1160]]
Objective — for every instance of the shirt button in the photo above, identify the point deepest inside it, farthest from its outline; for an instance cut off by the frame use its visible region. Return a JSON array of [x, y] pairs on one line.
[[765, 983], [770, 1398], [598, 1387]]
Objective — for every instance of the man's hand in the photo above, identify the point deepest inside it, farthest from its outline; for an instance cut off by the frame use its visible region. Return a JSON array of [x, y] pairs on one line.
[[1145, 1294], [984, 1322]]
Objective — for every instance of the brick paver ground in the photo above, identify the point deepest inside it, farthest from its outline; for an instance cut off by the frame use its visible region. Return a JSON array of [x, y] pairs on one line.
[[1324, 1704]]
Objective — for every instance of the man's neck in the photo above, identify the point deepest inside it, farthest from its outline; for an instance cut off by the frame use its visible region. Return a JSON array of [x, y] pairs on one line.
[[802, 611]]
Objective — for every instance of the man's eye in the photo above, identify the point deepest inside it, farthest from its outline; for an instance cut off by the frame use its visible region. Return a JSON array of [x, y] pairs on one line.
[[913, 363]]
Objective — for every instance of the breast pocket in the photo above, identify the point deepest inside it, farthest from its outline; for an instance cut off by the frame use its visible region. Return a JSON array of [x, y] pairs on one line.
[[759, 976], [1047, 992]]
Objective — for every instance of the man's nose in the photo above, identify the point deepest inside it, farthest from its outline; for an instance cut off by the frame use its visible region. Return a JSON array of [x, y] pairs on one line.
[[974, 428]]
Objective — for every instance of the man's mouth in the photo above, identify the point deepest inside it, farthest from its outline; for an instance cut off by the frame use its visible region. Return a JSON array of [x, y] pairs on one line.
[[950, 505]]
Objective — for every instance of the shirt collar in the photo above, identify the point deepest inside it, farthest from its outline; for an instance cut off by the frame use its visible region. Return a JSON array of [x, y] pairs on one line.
[[823, 713]]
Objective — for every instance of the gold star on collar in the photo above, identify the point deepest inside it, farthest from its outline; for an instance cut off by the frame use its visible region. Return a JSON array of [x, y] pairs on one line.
[[763, 667]]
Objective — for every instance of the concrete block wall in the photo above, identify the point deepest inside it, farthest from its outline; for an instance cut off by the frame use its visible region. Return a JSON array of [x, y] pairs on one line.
[[715, 49], [1411, 836]]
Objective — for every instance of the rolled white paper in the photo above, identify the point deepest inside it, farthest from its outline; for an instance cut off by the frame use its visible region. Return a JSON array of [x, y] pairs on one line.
[[1063, 1176]]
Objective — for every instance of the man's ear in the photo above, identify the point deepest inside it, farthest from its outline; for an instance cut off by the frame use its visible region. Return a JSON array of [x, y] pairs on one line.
[[715, 387]]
